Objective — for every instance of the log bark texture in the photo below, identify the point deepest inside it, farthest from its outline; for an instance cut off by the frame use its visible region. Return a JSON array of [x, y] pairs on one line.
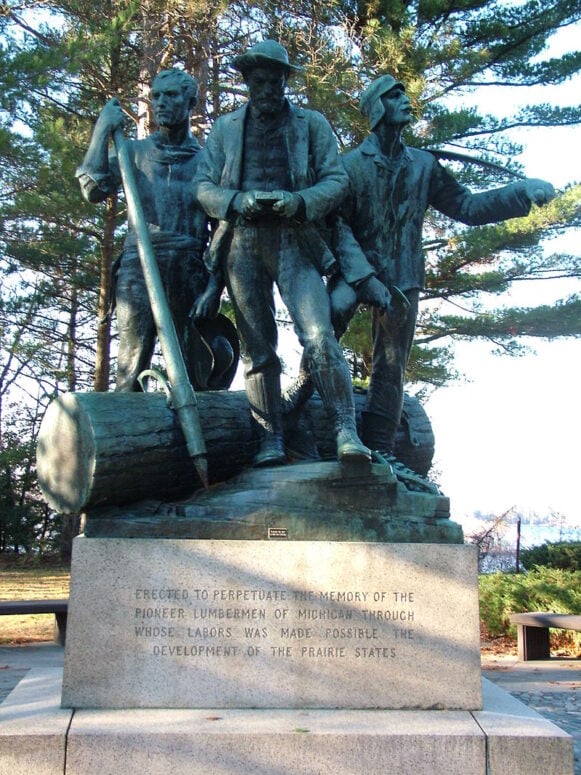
[[102, 449]]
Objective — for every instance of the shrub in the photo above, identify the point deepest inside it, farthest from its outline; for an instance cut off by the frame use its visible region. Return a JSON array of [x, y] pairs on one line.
[[541, 589], [565, 555]]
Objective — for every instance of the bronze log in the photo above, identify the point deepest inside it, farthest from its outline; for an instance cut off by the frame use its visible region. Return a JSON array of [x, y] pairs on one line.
[[100, 449]]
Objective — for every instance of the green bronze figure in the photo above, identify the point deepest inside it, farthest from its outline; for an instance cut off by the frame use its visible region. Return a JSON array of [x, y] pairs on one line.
[[391, 186], [379, 248], [163, 165], [270, 172]]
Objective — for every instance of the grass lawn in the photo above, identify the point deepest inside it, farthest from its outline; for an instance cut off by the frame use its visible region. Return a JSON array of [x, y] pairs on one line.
[[23, 579]]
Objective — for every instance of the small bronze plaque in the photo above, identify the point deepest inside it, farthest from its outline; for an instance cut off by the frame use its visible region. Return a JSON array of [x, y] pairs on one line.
[[278, 532]]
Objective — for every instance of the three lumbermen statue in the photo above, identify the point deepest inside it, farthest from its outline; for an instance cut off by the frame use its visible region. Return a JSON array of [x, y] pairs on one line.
[[291, 211]]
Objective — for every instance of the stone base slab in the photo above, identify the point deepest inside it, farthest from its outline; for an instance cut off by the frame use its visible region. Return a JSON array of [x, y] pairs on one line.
[[504, 737], [272, 624], [33, 726]]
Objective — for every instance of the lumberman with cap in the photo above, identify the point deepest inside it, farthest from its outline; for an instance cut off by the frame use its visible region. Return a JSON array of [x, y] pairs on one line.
[[269, 172], [390, 188], [164, 165]]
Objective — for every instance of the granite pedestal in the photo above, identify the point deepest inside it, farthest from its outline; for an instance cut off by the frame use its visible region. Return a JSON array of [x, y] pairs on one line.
[[402, 623], [272, 624]]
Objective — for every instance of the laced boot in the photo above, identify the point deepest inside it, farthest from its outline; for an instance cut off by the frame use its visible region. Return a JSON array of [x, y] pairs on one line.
[[379, 433], [350, 449], [263, 392], [334, 387]]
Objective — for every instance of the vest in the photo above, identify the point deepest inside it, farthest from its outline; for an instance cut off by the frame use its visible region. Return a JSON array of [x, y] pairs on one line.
[[265, 165]]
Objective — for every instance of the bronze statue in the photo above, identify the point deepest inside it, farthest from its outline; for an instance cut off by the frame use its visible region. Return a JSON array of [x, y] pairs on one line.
[[390, 188], [379, 245], [270, 172], [164, 165]]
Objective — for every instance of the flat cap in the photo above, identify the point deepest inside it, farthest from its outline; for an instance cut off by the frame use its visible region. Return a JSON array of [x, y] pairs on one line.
[[370, 103]]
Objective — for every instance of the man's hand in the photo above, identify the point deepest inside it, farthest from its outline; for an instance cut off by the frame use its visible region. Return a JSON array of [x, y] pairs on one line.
[[208, 305], [373, 291], [395, 303], [111, 117], [250, 204], [246, 204], [539, 191], [288, 205]]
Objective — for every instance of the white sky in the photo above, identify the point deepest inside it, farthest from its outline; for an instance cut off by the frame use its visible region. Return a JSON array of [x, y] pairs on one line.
[[511, 436]]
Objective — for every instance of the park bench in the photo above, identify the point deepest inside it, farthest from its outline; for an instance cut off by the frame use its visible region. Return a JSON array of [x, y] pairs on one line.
[[533, 632], [57, 607]]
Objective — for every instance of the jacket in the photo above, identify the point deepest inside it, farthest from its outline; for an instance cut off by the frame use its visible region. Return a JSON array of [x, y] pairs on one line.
[[383, 214], [316, 173]]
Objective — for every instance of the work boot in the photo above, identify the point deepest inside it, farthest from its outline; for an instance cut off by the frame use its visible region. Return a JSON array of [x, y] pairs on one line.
[[411, 479], [270, 451], [263, 393], [334, 387], [349, 447]]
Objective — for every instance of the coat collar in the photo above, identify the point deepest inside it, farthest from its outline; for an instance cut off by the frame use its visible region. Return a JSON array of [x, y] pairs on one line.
[[370, 147], [294, 110]]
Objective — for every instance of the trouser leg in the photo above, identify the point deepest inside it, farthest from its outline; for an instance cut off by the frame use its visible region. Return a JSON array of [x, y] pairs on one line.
[[135, 326], [249, 279], [298, 393], [304, 293], [391, 348], [184, 278]]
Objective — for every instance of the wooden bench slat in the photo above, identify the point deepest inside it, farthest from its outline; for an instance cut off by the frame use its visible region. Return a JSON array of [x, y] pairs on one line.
[[14, 607], [543, 619]]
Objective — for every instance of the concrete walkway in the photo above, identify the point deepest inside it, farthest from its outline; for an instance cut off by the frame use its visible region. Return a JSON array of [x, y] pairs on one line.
[[552, 687], [16, 661]]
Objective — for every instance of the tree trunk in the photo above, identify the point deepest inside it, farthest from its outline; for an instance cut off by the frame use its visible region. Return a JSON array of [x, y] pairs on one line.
[[102, 449], [101, 379]]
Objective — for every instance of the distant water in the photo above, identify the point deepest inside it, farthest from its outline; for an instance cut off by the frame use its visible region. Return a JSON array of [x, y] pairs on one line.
[[536, 535]]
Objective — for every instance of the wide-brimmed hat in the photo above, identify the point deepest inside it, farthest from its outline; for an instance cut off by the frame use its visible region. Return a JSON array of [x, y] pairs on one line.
[[267, 53], [212, 350], [370, 103]]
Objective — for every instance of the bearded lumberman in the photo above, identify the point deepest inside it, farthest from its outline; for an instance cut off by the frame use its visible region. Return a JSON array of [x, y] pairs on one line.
[[269, 172], [390, 188]]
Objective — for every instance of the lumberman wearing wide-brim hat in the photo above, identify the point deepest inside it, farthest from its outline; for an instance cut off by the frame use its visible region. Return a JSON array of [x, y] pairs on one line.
[[269, 172]]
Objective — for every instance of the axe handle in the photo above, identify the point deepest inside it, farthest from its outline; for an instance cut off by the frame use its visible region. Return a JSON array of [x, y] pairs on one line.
[[182, 393]]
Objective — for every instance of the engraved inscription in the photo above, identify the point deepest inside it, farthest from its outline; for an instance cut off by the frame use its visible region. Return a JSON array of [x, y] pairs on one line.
[[319, 625]]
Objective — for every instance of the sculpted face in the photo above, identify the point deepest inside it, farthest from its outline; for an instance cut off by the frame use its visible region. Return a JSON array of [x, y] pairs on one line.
[[170, 102], [266, 88], [396, 107]]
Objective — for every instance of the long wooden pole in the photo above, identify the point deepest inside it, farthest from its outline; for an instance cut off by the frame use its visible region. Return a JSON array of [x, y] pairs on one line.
[[183, 397]]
